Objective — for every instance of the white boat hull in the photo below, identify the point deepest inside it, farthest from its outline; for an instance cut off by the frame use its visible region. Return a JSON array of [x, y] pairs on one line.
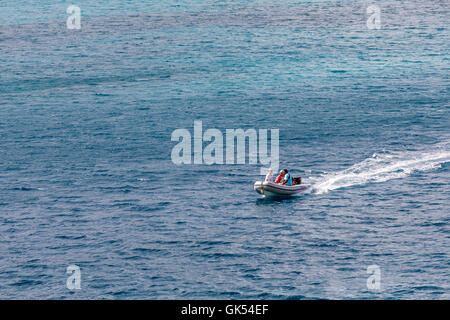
[[272, 189]]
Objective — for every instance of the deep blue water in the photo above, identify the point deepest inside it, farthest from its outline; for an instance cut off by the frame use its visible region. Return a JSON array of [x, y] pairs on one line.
[[86, 175]]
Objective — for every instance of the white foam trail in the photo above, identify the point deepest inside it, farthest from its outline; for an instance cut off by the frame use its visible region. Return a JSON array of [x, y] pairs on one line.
[[384, 167]]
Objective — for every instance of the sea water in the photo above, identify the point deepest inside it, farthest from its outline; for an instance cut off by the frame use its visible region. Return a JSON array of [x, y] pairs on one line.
[[87, 180]]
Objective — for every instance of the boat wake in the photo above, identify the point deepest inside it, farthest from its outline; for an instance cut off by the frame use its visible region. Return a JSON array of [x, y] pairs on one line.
[[383, 167]]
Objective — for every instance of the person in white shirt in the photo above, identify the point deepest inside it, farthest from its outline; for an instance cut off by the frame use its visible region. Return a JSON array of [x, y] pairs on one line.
[[269, 176]]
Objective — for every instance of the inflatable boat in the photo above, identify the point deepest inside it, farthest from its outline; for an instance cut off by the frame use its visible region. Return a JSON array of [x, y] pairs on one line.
[[272, 189]]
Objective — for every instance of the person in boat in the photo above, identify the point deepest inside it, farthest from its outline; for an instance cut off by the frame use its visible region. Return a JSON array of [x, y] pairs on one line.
[[287, 178], [269, 176], [280, 177]]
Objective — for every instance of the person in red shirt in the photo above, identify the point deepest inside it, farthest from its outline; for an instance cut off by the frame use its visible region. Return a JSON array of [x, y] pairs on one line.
[[280, 177]]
